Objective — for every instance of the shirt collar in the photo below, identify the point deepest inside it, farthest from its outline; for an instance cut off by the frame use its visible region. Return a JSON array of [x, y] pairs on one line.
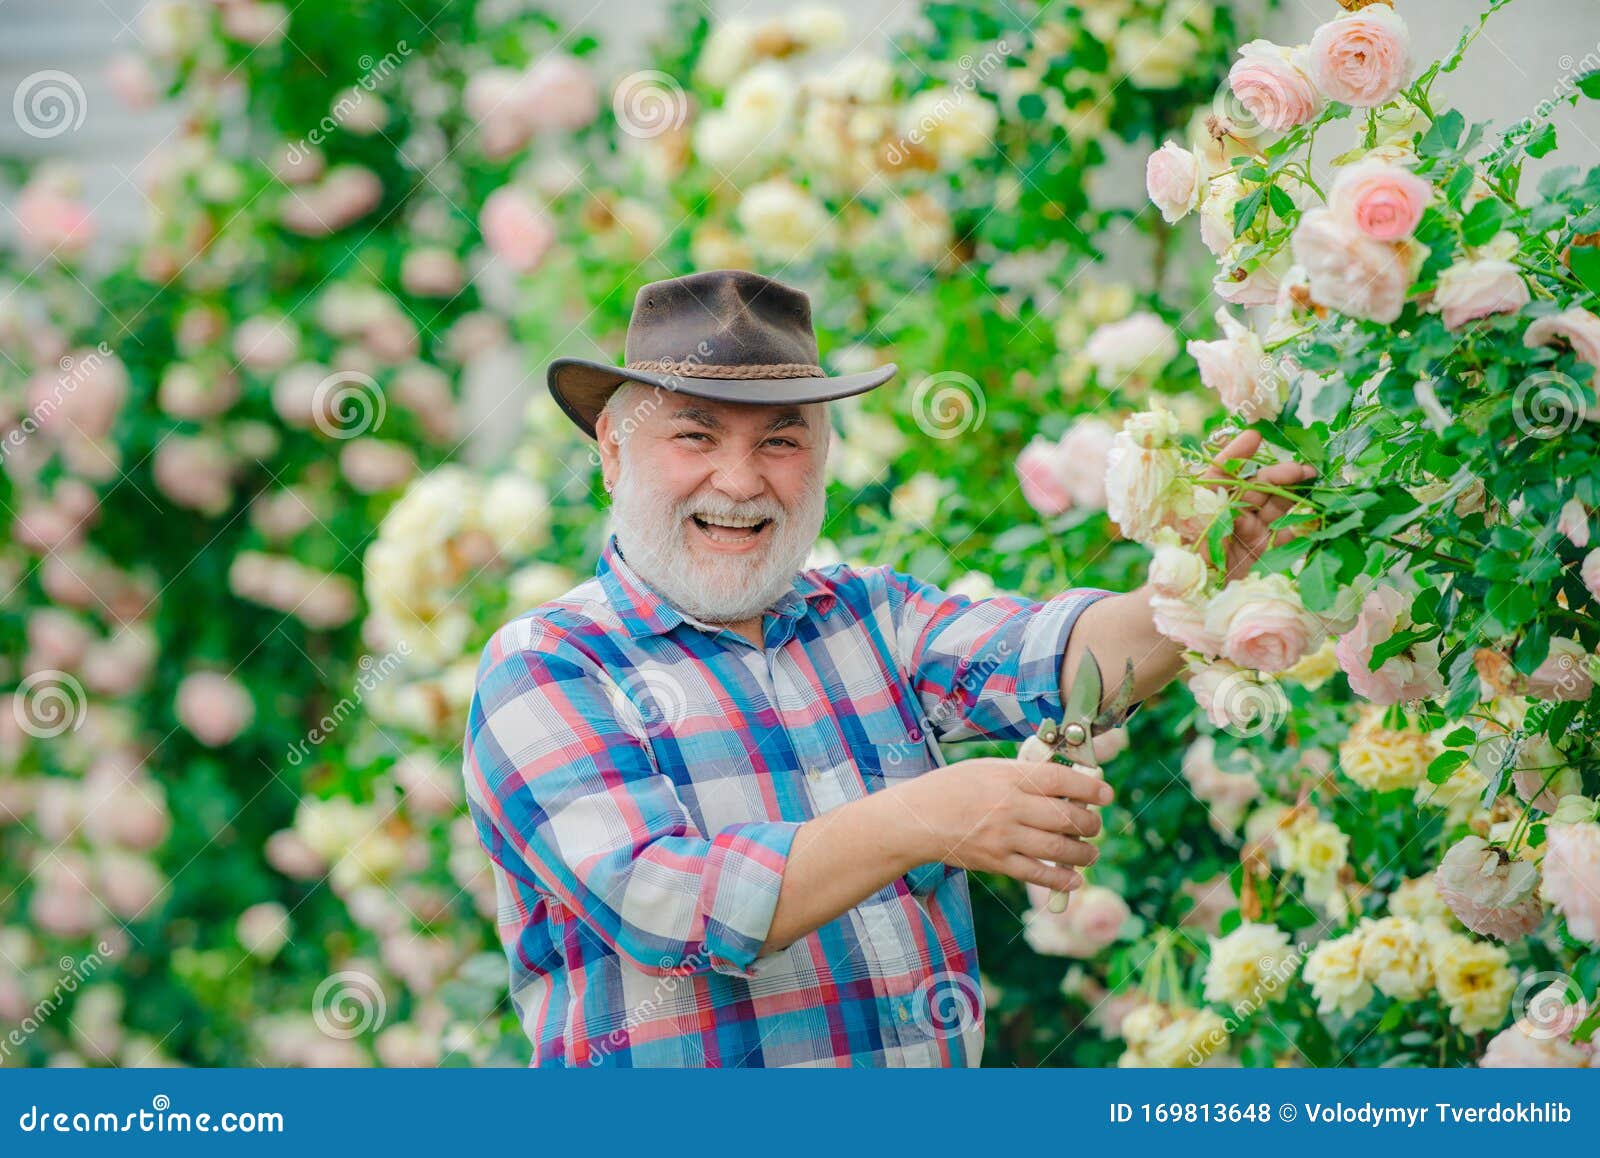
[[643, 611]]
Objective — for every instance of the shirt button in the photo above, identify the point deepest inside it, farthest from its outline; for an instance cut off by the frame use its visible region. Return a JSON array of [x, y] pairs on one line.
[[814, 772], [905, 1014]]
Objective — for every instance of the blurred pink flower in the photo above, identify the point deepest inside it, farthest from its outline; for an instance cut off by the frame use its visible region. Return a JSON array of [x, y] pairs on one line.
[[215, 708], [516, 230], [195, 472], [1172, 178], [1093, 920], [1572, 877], [1039, 472], [432, 273], [51, 221], [1470, 290], [559, 93], [1577, 327], [1349, 271]]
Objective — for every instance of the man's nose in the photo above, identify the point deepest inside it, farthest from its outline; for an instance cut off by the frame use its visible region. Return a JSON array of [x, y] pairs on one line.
[[737, 474]]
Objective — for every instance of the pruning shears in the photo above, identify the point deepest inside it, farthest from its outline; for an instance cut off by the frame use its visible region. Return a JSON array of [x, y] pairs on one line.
[[1072, 740]]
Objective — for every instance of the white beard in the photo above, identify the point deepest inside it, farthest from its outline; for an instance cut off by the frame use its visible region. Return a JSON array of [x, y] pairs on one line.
[[652, 533]]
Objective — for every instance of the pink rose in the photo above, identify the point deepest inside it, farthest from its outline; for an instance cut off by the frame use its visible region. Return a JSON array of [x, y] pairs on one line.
[[266, 343], [1543, 775], [1577, 327], [1172, 178], [1573, 522], [51, 222], [1591, 573], [1384, 201], [432, 273], [372, 465], [1039, 473], [214, 708], [1226, 794], [194, 472], [1564, 674], [1085, 450], [1184, 621], [85, 398], [1362, 59], [1349, 272], [1532, 1046], [1488, 891], [1470, 290], [1094, 918], [128, 76], [346, 194], [1262, 623], [559, 93], [1572, 876], [1412, 675], [516, 230], [1238, 369], [1272, 84]]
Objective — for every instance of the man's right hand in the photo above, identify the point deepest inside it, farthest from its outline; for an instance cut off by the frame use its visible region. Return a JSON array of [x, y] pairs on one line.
[[1023, 819]]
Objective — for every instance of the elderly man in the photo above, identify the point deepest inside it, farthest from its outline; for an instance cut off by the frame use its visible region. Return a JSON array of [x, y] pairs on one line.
[[709, 778]]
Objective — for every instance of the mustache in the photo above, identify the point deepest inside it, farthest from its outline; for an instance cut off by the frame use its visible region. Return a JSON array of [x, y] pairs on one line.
[[718, 506]]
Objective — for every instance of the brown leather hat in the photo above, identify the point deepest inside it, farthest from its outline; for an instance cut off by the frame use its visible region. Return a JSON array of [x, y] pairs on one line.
[[726, 334]]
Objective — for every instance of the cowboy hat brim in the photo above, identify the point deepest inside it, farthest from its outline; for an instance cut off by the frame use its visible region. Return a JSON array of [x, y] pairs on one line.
[[581, 387]]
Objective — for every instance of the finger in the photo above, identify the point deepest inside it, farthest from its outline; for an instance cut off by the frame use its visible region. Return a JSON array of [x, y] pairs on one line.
[[1070, 781], [1037, 872], [1053, 846], [1286, 474], [1243, 445], [1062, 816]]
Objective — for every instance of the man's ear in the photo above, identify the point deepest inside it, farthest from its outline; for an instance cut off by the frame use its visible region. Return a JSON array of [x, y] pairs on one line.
[[607, 446]]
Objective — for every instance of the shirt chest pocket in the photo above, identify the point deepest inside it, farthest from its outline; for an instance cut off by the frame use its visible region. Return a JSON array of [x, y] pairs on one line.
[[890, 750]]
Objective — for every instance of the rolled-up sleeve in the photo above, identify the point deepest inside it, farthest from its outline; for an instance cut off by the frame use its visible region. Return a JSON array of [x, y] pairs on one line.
[[566, 800], [984, 668]]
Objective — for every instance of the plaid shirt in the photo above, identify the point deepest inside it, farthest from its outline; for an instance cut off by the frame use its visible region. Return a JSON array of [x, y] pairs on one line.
[[637, 778]]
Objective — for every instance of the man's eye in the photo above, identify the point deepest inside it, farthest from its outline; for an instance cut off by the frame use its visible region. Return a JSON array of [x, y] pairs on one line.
[[785, 442], [694, 434]]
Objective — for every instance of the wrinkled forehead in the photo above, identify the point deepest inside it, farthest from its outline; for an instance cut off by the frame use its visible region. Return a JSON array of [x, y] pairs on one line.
[[744, 416]]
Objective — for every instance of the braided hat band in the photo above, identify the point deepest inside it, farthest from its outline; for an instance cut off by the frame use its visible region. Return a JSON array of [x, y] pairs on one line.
[[705, 370]]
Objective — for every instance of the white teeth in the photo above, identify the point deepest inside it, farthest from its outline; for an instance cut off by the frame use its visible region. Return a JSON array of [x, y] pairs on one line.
[[733, 521]]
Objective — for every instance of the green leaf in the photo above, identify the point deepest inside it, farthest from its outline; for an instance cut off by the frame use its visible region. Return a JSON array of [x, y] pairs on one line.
[[1245, 211], [1485, 220], [1589, 84], [1585, 263], [1543, 142], [1445, 764], [1282, 204], [1319, 581]]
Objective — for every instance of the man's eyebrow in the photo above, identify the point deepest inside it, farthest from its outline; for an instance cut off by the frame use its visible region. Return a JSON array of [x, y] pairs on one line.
[[787, 419], [699, 414]]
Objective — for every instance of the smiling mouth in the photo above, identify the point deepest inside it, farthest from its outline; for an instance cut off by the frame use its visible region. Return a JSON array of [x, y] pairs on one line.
[[730, 530]]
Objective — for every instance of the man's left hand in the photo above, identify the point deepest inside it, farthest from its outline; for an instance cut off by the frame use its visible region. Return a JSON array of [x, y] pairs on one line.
[[1254, 511]]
